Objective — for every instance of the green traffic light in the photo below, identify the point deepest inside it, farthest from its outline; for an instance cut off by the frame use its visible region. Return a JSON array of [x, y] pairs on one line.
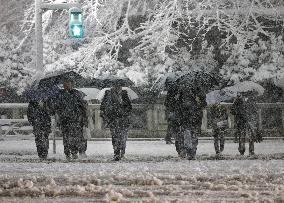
[[76, 29]]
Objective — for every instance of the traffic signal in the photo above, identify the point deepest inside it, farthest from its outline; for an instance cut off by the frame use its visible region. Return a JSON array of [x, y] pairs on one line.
[[76, 29]]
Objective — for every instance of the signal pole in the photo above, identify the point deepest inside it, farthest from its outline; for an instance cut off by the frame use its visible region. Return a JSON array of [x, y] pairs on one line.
[[38, 36], [39, 6]]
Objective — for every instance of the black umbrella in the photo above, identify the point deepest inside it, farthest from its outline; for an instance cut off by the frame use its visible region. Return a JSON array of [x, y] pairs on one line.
[[36, 93], [57, 78], [199, 80], [166, 81], [109, 81]]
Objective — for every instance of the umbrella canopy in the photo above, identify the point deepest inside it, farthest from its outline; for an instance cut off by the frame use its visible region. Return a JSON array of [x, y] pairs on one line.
[[109, 81], [37, 93], [89, 93], [131, 94], [200, 80], [245, 86], [218, 96], [57, 78], [279, 82], [166, 81]]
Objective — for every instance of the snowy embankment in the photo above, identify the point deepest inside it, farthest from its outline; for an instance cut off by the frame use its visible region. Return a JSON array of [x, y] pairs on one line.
[[151, 172]]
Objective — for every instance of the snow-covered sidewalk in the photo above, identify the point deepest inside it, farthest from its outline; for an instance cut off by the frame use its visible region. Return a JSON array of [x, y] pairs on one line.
[[151, 172], [138, 148]]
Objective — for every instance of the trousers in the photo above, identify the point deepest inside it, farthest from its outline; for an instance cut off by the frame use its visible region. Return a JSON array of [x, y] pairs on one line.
[[119, 137]]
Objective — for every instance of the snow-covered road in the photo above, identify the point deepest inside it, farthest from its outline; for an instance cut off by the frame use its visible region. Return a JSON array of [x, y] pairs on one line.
[[151, 172]]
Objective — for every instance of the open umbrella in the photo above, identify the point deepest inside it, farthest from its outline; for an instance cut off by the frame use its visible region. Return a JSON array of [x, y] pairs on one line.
[[166, 81], [279, 81], [109, 81], [200, 80], [89, 93], [229, 93], [58, 77], [131, 94], [218, 96], [36, 93], [246, 86]]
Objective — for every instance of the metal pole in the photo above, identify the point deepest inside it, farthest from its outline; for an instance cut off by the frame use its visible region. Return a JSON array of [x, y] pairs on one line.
[[54, 143], [38, 36], [60, 6]]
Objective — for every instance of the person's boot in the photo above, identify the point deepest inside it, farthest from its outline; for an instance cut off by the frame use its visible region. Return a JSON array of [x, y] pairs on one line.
[[182, 154], [190, 154], [251, 153], [75, 156], [217, 152], [122, 153], [169, 141], [116, 156], [192, 157], [83, 155], [68, 157], [222, 146], [242, 148], [43, 156], [251, 148]]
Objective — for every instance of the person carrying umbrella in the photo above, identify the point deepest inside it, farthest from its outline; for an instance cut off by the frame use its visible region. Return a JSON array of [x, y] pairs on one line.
[[246, 115], [167, 84], [172, 115], [245, 110], [72, 113], [219, 117], [40, 119], [220, 122], [191, 102], [115, 110], [39, 110]]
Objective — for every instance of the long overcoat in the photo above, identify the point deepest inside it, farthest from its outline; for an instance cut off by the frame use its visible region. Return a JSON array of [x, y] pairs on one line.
[[115, 110]]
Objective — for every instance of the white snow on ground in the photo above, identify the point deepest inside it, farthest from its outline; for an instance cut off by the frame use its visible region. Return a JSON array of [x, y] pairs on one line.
[[151, 172]]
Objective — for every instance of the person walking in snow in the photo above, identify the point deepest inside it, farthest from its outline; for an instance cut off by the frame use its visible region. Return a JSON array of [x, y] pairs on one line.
[[40, 119], [220, 123], [72, 113], [245, 110], [115, 110], [191, 102], [172, 115]]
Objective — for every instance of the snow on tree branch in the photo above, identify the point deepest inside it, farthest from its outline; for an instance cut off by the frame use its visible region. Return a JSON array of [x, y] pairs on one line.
[[156, 37]]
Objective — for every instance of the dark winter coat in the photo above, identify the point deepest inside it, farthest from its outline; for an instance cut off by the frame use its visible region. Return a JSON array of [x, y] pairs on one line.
[[171, 111], [245, 112], [217, 114], [39, 117], [190, 109], [114, 110], [246, 117], [71, 108]]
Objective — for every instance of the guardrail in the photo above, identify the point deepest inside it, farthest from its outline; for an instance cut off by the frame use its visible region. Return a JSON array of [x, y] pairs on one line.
[[147, 120]]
